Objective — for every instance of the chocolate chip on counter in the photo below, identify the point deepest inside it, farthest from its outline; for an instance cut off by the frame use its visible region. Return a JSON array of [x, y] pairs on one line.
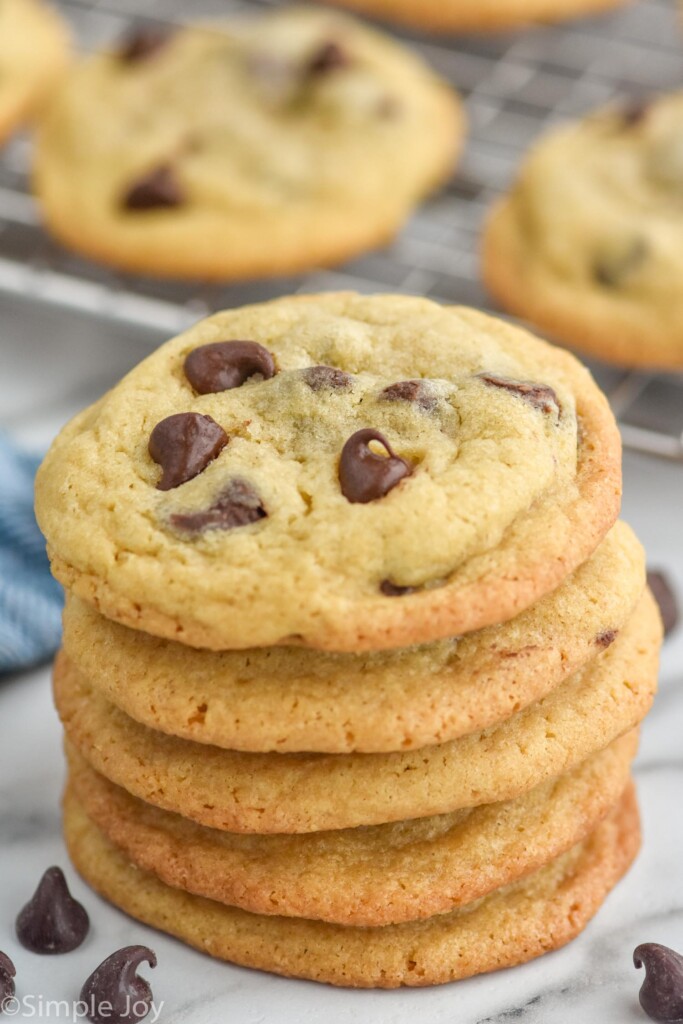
[[607, 638], [613, 269], [665, 596], [390, 589], [158, 189], [224, 365], [327, 378], [7, 974], [52, 921], [328, 57], [114, 993], [415, 391], [237, 505], [364, 475], [184, 445], [661, 995], [541, 396], [143, 42]]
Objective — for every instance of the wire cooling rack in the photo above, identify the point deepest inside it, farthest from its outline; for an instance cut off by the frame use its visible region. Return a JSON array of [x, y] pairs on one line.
[[516, 85]]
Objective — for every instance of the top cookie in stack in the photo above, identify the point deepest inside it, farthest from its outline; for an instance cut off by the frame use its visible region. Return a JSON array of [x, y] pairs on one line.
[[355, 653], [340, 472]]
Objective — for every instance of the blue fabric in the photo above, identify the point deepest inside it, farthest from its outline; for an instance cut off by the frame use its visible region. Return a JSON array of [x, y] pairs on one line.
[[30, 600]]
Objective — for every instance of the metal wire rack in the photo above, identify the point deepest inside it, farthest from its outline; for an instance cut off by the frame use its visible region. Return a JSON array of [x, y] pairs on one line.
[[515, 86]]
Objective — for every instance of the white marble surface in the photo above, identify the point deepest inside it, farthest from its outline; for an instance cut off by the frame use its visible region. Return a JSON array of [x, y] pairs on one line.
[[592, 980]]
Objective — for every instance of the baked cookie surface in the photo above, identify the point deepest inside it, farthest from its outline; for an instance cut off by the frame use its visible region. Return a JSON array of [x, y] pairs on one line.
[[34, 50], [246, 149], [587, 244], [290, 793], [381, 875], [367, 473], [476, 15], [294, 699], [511, 926]]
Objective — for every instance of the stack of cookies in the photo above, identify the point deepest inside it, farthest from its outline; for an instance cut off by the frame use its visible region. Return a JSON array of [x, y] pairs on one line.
[[355, 648]]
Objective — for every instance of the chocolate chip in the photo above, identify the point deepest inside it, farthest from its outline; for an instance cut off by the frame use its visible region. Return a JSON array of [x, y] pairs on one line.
[[143, 42], [237, 505], [665, 596], [327, 378], [329, 57], [541, 396], [607, 638], [7, 975], [662, 993], [114, 994], [635, 110], [393, 590], [613, 269], [53, 921], [415, 391], [159, 188], [184, 445], [389, 107], [364, 475], [224, 365]]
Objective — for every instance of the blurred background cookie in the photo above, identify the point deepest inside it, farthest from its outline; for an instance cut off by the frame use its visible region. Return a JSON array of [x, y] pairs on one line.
[[34, 50], [475, 15], [267, 146], [587, 244]]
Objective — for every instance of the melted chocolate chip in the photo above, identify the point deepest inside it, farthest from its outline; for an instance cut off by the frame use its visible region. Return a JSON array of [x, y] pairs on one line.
[[327, 378], [114, 994], [665, 597], [541, 396], [224, 365], [364, 475], [184, 445], [144, 42], [157, 189], [390, 589], [53, 921], [607, 638], [415, 391], [613, 270], [329, 57], [238, 505], [389, 107], [7, 975], [662, 993], [634, 111]]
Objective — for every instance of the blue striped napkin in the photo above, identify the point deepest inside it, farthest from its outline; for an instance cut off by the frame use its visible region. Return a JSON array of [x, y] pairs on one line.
[[30, 600]]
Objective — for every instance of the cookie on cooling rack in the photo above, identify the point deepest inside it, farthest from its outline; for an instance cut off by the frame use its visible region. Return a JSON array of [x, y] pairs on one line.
[[587, 244], [338, 471], [34, 48], [476, 15], [270, 146]]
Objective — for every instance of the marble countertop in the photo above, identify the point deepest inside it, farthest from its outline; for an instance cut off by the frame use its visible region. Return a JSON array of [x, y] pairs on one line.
[[592, 980]]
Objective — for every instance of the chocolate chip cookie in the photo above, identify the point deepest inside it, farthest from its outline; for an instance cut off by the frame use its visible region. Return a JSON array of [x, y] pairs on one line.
[[586, 245], [342, 472], [510, 926], [293, 140], [34, 49], [476, 15], [266, 793], [381, 875], [288, 699]]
